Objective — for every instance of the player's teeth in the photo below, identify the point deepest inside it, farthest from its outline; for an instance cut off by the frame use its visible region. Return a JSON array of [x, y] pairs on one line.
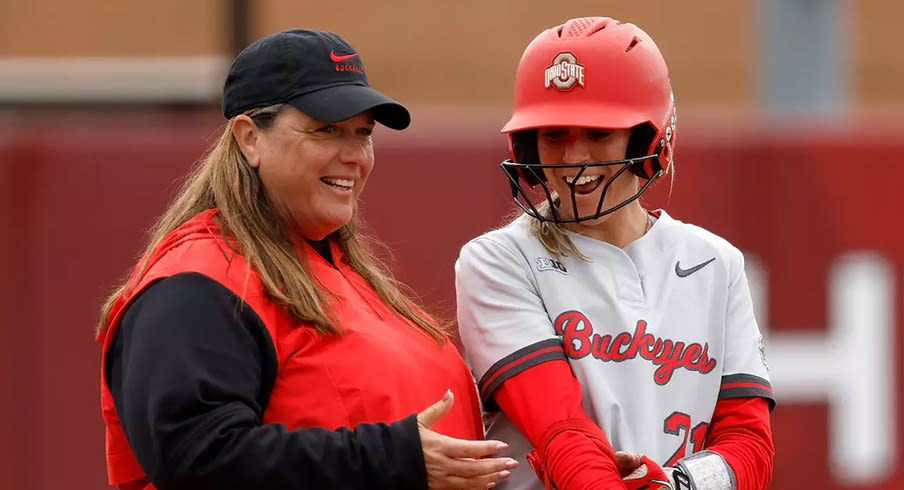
[[583, 179]]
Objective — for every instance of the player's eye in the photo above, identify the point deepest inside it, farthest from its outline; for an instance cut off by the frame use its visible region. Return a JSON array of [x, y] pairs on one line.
[[553, 135], [598, 134]]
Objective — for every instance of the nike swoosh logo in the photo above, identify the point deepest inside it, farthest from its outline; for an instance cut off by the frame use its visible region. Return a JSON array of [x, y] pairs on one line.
[[338, 58], [686, 272]]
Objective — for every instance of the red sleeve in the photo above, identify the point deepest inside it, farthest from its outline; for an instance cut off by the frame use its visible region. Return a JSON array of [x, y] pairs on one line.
[[741, 433], [548, 395]]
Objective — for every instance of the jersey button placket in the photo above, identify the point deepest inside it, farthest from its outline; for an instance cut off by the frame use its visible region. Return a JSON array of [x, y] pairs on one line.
[[628, 287]]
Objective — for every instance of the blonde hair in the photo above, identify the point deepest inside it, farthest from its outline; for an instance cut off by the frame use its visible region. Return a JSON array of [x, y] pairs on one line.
[[246, 217], [551, 234]]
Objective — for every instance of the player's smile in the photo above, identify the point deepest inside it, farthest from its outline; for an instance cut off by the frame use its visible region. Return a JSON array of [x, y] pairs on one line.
[[585, 184]]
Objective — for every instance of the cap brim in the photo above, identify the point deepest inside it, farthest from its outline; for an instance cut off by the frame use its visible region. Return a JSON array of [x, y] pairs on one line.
[[333, 104], [578, 114]]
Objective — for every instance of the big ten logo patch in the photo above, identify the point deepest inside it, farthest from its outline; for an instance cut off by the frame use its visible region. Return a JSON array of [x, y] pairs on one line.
[[550, 264]]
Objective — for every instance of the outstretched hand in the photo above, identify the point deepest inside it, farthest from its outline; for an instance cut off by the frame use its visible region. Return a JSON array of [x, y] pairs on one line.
[[457, 463]]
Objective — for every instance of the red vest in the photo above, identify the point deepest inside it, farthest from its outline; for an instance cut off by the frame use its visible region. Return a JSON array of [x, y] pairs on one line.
[[380, 369]]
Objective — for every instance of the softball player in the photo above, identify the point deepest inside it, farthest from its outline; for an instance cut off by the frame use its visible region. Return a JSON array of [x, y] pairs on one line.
[[593, 325]]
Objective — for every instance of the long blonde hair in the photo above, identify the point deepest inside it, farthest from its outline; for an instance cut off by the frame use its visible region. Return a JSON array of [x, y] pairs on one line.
[[551, 234], [224, 180]]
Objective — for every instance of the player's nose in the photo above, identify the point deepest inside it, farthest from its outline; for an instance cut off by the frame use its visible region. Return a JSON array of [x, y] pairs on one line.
[[577, 150]]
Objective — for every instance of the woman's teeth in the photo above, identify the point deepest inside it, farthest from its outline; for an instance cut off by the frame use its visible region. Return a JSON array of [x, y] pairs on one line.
[[582, 180], [343, 183]]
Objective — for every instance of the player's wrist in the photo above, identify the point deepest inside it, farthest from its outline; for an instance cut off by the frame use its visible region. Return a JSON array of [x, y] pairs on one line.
[[705, 470], [677, 479], [648, 475]]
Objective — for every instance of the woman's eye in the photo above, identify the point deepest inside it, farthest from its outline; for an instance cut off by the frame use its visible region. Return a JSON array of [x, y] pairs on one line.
[[552, 135], [599, 135], [366, 131], [328, 129]]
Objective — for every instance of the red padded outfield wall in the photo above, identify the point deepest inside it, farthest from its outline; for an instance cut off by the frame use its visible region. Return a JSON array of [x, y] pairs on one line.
[[816, 214]]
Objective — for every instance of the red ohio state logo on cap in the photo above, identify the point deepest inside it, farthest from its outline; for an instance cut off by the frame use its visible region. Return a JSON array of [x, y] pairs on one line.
[[564, 72]]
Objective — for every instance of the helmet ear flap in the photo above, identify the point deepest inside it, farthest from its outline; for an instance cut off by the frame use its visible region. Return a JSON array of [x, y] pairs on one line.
[[640, 144], [523, 145]]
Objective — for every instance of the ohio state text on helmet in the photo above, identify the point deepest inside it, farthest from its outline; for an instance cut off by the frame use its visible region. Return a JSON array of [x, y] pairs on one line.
[[564, 72]]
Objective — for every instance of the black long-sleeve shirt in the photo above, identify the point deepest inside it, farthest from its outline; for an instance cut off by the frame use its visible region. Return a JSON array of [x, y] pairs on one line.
[[190, 373]]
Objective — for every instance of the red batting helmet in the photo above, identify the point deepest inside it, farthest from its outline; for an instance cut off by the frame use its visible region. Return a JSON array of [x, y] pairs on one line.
[[592, 72]]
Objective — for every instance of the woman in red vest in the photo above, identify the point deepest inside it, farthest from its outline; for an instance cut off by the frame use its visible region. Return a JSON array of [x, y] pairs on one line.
[[258, 343]]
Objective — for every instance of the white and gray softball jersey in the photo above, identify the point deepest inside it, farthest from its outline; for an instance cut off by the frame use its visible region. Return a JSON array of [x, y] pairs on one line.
[[655, 332]]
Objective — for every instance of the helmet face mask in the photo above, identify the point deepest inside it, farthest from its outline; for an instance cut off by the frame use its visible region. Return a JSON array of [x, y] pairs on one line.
[[533, 172], [591, 72]]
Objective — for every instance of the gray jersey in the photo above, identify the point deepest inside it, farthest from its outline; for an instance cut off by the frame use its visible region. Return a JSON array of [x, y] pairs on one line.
[[655, 332]]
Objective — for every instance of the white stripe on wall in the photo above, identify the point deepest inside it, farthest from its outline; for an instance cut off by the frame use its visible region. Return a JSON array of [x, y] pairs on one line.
[[104, 80]]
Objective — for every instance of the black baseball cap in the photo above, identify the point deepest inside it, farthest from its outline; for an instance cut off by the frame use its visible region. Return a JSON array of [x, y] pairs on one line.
[[318, 72]]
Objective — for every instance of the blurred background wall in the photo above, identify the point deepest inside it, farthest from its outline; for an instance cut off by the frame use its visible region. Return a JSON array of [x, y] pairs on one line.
[[791, 145]]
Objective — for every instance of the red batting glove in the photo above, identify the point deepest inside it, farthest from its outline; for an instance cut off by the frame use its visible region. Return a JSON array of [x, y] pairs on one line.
[[640, 472]]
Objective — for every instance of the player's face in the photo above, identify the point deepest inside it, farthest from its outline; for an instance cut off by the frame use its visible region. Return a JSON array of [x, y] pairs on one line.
[[314, 171], [570, 145]]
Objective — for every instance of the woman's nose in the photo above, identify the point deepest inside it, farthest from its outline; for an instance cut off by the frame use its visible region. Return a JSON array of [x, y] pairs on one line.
[[577, 151], [353, 151]]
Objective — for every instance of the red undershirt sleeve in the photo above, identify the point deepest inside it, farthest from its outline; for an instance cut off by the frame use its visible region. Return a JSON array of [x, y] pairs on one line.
[[741, 433], [544, 403]]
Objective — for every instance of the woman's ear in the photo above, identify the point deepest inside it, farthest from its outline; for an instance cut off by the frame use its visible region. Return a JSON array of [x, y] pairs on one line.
[[248, 137]]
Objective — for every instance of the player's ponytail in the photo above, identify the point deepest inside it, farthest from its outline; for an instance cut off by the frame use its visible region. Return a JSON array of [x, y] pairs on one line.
[[552, 235]]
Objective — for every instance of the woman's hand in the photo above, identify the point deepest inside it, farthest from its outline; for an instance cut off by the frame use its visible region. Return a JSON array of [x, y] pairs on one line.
[[457, 463]]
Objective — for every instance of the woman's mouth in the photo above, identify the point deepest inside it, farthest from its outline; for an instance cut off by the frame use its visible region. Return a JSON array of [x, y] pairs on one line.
[[340, 184], [584, 184]]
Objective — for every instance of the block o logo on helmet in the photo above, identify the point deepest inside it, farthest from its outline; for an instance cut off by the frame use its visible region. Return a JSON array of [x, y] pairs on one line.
[[564, 72]]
